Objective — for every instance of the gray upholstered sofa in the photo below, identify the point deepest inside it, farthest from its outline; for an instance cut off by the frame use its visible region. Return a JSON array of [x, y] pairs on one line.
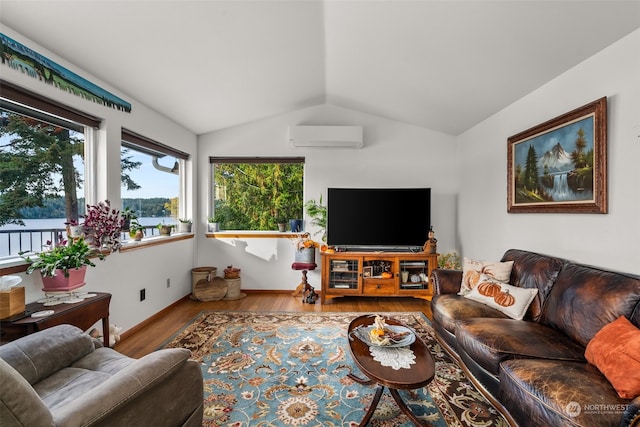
[[535, 368], [63, 377]]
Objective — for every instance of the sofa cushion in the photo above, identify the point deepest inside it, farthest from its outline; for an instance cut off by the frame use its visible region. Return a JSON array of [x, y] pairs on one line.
[[584, 299], [36, 359], [492, 341], [540, 392], [615, 351], [449, 308], [534, 271], [510, 300], [473, 268]]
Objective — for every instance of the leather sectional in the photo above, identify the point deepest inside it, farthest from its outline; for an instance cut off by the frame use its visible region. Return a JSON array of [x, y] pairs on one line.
[[535, 369]]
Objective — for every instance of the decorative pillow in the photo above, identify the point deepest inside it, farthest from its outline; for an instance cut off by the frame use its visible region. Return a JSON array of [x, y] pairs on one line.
[[511, 300], [472, 269], [615, 351]]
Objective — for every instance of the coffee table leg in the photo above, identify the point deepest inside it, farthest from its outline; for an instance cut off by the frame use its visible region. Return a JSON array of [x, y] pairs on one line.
[[372, 407], [405, 408], [360, 380]]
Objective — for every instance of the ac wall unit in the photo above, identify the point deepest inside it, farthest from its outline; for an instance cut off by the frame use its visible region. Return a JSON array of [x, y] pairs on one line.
[[326, 136]]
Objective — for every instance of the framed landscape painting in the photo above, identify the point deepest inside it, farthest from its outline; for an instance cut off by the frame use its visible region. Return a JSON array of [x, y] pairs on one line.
[[560, 166]]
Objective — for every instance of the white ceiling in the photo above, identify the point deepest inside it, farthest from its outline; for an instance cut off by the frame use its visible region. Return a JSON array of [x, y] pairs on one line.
[[444, 65]]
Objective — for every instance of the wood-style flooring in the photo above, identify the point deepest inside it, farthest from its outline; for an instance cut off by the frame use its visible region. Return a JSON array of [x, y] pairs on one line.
[[148, 336]]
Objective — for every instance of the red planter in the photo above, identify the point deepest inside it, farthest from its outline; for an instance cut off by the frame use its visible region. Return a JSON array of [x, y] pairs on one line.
[[59, 283]]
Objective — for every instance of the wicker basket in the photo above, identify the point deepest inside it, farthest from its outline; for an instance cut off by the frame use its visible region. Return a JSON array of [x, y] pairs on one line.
[[210, 291]]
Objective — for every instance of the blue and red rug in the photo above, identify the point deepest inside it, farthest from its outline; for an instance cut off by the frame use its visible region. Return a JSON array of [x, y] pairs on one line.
[[268, 369]]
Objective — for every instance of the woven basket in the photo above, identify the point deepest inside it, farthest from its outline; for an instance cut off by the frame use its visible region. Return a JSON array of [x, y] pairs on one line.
[[210, 291]]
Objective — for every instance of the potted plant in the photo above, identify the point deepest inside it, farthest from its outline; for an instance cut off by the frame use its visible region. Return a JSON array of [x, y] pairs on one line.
[[318, 213], [281, 221], [103, 225], [136, 230], [184, 225], [127, 217], [165, 229], [215, 222], [63, 268]]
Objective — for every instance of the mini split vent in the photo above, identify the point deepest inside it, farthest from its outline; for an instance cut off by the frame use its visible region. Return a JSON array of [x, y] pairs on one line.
[[326, 136]]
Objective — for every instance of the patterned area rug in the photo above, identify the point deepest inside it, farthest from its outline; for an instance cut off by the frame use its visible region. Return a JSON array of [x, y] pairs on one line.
[[290, 369]]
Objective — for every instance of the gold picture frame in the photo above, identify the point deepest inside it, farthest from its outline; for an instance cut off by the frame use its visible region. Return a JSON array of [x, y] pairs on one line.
[[560, 166]]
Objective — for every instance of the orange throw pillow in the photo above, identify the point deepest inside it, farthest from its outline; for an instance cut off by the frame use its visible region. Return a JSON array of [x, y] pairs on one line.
[[615, 351]]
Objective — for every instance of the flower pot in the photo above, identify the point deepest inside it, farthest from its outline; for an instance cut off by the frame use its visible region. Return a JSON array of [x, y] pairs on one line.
[[306, 255], [137, 236], [60, 283], [165, 230], [75, 231], [282, 226], [214, 226], [184, 227]]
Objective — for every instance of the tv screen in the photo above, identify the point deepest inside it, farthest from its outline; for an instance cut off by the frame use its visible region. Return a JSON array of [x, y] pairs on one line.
[[378, 218]]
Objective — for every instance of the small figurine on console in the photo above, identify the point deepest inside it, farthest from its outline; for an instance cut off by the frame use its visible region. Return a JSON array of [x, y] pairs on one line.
[[431, 245]]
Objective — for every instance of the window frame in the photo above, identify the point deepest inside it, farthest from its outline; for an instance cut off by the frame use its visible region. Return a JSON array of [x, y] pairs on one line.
[[250, 160]]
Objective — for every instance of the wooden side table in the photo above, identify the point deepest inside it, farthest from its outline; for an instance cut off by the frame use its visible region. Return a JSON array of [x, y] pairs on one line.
[[82, 314]]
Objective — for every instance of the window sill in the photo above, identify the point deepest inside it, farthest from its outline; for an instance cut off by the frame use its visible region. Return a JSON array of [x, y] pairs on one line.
[[155, 241], [246, 234], [19, 265]]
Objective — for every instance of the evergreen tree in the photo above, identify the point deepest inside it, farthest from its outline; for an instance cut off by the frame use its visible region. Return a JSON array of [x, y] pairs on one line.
[[531, 170]]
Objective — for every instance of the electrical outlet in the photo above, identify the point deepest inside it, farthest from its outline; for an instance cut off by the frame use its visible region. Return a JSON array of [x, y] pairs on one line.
[[168, 283], [143, 294]]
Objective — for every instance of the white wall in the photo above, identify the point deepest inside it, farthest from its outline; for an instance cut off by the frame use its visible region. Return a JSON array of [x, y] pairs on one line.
[[394, 155], [122, 274], [485, 228]]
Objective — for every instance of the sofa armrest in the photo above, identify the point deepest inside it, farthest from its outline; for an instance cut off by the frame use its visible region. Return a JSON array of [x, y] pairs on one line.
[[20, 405], [631, 417], [125, 386], [446, 281]]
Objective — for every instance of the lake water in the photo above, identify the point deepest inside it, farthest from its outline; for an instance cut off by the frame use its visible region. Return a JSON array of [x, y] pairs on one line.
[[13, 242]]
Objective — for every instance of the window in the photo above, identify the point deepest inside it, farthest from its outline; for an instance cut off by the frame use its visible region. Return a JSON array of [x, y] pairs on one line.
[[42, 169], [255, 193], [151, 181]]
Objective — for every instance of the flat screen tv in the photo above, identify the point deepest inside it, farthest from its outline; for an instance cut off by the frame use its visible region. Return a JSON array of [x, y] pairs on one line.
[[378, 218]]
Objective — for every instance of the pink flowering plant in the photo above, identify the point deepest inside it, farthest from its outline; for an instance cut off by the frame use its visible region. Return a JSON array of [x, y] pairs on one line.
[[103, 225]]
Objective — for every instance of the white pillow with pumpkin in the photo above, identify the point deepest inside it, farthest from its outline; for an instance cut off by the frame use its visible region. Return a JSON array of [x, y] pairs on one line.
[[511, 300], [473, 268]]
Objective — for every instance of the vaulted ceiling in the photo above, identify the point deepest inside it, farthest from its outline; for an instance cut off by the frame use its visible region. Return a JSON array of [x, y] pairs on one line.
[[444, 65]]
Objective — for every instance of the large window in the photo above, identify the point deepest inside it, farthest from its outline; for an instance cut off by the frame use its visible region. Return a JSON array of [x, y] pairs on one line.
[[42, 170], [152, 180], [256, 193]]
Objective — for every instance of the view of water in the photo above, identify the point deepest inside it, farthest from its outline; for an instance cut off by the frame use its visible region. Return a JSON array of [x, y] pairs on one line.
[[13, 242]]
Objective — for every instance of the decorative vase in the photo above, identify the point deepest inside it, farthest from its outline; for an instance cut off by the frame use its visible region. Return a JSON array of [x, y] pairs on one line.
[[60, 283], [296, 225]]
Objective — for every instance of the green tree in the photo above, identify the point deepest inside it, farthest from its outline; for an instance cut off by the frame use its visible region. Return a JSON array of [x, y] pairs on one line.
[[578, 156], [252, 195], [36, 164], [531, 170]]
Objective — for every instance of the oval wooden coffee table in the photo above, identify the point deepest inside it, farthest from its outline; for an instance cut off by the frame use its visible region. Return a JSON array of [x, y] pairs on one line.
[[418, 375]]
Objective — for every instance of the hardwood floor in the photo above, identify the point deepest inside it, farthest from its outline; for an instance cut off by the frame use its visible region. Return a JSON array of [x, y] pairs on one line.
[[147, 337]]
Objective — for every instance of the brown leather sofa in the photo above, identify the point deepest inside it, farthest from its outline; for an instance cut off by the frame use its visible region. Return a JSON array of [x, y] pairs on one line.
[[63, 377], [535, 368]]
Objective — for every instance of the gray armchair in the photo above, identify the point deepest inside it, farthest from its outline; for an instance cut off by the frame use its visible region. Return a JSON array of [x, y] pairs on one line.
[[63, 377]]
